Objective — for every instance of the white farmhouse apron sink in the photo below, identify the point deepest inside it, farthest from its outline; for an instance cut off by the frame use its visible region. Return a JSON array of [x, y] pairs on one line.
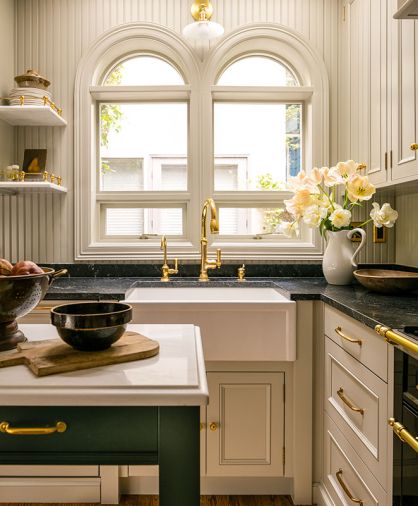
[[237, 324]]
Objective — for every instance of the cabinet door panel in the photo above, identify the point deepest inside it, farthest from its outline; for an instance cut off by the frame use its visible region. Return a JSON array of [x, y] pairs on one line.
[[248, 410], [405, 99], [368, 75]]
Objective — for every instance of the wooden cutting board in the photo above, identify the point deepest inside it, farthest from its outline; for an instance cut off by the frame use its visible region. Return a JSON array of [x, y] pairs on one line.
[[54, 356]]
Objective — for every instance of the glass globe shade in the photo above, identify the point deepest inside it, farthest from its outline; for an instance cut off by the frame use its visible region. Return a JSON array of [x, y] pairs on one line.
[[203, 30]]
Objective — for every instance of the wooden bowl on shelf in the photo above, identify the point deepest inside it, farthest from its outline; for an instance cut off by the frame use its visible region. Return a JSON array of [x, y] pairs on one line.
[[387, 281]]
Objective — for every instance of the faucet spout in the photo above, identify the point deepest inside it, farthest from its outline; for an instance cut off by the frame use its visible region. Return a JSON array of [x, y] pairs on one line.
[[214, 224], [206, 264]]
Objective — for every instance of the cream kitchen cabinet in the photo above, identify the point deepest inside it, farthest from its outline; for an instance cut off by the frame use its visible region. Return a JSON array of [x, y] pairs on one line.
[[365, 23], [404, 163], [357, 405], [245, 424], [378, 79]]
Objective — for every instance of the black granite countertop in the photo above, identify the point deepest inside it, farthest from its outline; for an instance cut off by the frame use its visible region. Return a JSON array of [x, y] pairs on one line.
[[355, 301]]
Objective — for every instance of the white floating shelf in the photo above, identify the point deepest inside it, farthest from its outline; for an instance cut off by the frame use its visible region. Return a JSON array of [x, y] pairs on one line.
[[31, 115], [30, 187]]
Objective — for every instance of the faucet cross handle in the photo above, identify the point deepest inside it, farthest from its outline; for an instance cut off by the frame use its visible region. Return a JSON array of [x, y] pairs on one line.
[[165, 269]]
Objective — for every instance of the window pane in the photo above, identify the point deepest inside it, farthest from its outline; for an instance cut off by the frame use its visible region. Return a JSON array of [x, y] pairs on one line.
[[130, 221], [122, 174], [257, 71], [226, 177], [248, 221], [173, 177], [143, 71], [138, 139], [267, 137]]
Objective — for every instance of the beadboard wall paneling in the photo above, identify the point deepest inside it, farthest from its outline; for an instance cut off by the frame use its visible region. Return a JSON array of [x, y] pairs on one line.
[[407, 229], [52, 36], [7, 24]]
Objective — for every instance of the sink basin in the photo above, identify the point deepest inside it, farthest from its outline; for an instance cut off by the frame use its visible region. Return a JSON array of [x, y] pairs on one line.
[[237, 323], [204, 295]]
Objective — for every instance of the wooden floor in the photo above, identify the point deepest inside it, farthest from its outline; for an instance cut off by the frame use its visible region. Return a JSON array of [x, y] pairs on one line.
[[206, 500]]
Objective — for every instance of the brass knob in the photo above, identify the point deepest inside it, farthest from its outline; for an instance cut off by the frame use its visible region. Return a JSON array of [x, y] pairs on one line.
[[414, 146], [213, 426]]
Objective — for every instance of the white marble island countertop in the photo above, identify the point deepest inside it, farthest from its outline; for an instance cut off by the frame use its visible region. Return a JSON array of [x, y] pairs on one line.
[[174, 377]]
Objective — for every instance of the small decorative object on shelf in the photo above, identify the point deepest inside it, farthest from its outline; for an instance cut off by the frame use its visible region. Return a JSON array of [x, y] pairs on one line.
[[31, 93], [315, 204]]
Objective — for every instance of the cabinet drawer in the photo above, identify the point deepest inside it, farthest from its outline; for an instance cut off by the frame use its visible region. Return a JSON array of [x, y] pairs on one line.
[[370, 351], [345, 474], [97, 432], [356, 400]]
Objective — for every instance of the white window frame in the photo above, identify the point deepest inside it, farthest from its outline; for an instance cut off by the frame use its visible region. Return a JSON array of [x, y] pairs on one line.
[[200, 71]]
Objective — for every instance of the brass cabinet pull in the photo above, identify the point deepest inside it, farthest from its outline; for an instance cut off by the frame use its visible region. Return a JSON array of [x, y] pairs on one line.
[[346, 489], [213, 426], [394, 338], [403, 434], [202, 425], [348, 403], [414, 146], [338, 330], [32, 431]]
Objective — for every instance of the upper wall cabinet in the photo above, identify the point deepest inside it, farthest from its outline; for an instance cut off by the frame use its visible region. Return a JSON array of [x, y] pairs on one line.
[[379, 60], [367, 21], [404, 166]]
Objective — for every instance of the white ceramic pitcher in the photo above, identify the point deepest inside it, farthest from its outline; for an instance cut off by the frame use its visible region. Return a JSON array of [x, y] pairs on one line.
[[339, 260]]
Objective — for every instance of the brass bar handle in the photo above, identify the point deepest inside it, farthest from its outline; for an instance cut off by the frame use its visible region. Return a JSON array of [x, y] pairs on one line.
[[338, 330], [346, 489], [349, 403], [32, 431], [403, 434], [414, 146], [394, 338], [213, 426]]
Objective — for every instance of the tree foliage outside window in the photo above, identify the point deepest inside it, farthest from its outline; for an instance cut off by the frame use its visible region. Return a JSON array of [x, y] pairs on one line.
[[110, 115]]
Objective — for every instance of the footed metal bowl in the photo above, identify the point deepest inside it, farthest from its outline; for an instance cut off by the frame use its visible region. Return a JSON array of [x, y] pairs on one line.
[[91, 326], [18, 296]]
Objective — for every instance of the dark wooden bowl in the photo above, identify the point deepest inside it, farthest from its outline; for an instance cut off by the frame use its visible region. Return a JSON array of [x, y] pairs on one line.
[[91, 326], [387, 281]]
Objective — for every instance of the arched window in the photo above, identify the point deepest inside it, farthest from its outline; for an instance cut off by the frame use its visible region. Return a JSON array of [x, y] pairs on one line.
[[143, 70], [159, 130], [257, 70]]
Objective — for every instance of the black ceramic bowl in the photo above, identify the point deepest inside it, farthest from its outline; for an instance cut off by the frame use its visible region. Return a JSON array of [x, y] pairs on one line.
[[91, 326]]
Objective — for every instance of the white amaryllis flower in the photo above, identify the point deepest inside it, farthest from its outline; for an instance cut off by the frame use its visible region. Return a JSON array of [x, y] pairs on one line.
[[384, 215], [316, 175], [331, 178], [298, 203], [289, 228], [340, 218], [360, 188], [345, 169], [302, 182], [313, 215]]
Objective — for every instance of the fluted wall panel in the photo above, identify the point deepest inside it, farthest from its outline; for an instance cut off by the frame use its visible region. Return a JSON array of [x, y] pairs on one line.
[[52, 35]]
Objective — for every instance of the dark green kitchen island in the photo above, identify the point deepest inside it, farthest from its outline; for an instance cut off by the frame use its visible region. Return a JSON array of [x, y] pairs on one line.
[[143, 412]]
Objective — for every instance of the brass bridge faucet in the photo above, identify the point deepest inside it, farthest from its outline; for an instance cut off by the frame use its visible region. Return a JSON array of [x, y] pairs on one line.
[[165, 269], [206, 264]]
